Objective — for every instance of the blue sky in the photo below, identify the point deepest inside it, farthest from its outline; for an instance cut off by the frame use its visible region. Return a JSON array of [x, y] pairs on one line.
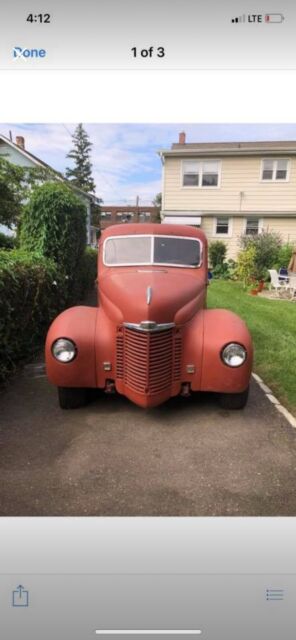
[[124, 156]]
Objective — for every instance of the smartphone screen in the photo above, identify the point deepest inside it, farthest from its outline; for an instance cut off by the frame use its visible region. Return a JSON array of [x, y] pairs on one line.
[[147, 320]]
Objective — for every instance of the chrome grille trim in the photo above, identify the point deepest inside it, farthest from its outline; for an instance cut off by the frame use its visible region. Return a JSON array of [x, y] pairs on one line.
[[149, 325]]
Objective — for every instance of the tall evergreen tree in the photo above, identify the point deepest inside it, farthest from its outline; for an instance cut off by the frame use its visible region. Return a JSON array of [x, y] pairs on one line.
[[80, 175]]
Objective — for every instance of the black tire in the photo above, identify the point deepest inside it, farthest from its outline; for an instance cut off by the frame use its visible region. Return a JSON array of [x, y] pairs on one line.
[[234, 400], [71, 397]]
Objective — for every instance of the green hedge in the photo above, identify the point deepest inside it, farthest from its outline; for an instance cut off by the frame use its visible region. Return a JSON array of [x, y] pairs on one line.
[[33, 290], [84, 276], [89, 270], [52, 270], [53, 224]]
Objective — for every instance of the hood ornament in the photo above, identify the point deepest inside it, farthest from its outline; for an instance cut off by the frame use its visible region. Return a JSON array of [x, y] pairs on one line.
[[148, 295]]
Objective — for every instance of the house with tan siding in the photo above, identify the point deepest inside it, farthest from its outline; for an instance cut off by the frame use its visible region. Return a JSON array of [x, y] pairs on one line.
[[229, 189]]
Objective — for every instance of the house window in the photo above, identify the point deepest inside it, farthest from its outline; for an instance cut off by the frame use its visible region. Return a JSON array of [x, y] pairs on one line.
[[144, 216], [106, 215], [210, 174], [274, 169], [124, 216], [222, 226], [201, 174], [191, 174], [252, 226]]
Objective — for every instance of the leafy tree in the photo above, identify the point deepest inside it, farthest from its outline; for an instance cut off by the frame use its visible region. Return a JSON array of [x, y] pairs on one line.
[[80, 175], [16, 184], [266, 245], [157, 202], [11, 193], [95, 213], [217, 253], [54, 225], [284, 256]]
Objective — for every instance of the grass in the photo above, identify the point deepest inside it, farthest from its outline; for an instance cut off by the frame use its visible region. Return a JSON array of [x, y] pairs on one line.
[[272, 324]]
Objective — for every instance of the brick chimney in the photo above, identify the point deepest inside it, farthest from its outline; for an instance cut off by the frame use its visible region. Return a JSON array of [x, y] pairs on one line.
[[20, 141], [182, 137]]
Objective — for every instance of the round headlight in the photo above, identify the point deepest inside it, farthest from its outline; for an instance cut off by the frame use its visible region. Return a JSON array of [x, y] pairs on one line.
[[234, 355], [64, 350]]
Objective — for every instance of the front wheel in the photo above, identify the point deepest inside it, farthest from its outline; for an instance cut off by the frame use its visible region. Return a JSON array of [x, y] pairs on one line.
[[234, 400], [72, 397]]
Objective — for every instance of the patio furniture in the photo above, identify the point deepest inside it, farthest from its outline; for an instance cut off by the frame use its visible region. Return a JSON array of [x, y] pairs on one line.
[[292, 284], [276, 283], [283, 275]]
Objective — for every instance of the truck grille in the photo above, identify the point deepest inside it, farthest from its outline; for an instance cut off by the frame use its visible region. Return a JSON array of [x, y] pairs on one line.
[[148, 363]]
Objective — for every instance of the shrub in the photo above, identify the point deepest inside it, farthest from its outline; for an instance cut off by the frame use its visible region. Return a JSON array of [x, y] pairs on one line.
[[54, 225], [89, 269], [226, 270], [246, 266], [283, 257], [31, 294], [217, 253], [232, 266], [85, 277], [266, 247], [33, 291], [221, 271]]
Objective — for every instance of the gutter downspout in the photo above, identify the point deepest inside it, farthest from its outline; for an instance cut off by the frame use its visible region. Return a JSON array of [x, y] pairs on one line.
[[162, 187]]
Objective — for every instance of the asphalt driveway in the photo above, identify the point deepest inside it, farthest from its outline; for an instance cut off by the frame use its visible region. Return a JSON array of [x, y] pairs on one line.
[[185, 458]]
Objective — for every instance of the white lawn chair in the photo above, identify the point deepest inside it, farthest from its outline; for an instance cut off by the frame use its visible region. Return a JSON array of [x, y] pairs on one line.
[[276, 283], [292, 284]]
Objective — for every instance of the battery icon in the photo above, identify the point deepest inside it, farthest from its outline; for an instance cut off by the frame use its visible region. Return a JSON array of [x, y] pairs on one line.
[[274, 17]]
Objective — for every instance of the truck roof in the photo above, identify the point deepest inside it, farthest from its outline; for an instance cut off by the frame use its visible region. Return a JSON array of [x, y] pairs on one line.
[[153, 229]]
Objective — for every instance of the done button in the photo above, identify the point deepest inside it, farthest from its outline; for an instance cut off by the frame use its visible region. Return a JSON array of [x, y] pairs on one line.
[[20, 52]]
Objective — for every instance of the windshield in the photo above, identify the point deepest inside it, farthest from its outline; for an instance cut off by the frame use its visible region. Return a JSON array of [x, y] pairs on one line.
[[145, 250]]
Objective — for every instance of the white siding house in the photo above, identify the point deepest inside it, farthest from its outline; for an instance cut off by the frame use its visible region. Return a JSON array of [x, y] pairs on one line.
[[229, 189], [16, 153]]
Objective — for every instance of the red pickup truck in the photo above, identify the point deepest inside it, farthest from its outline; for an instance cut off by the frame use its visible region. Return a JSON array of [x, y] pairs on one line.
[[151, 336]]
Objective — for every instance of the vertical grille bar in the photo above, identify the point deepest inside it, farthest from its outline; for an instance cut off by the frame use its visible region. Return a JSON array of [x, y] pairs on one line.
[[119, 356], [177, 357]]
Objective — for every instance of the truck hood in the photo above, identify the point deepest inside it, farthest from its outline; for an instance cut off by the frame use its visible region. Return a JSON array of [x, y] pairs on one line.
[[160, 295]]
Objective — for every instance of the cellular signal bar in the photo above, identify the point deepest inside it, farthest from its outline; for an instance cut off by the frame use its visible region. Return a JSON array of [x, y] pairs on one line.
[[239, 19]]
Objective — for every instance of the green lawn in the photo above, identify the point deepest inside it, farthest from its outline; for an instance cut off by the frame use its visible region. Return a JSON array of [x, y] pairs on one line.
[[273, 328]]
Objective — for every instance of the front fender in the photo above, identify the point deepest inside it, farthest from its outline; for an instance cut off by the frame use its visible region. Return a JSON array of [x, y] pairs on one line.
[[220, 328], [78, 324]]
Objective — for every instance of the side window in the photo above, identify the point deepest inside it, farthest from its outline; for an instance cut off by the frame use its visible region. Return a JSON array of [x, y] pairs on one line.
[[144, 216], [106, 215], [222, 226], [274, 170], [252, 226], [210, 174], [124, 216], [191, 174], [201, 173]]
